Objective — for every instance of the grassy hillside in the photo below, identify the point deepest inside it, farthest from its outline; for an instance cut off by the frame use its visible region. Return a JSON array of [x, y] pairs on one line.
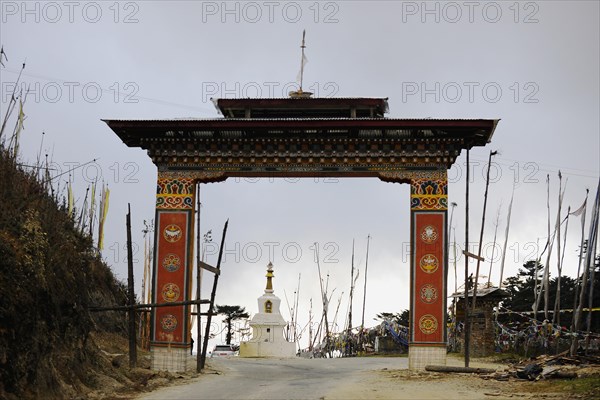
[[49, 275]]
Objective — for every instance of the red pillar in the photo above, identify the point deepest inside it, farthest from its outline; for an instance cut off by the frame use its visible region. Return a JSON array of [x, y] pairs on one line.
[[429, 262], [172, 272]]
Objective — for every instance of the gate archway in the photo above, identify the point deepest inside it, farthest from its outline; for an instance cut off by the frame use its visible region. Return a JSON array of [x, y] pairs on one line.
[[302, 137]]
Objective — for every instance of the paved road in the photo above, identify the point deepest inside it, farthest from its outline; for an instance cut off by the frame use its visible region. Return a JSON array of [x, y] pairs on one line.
[[249, 378]]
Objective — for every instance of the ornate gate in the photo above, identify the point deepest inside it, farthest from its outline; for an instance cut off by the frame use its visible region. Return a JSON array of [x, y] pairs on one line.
[[302, 137]]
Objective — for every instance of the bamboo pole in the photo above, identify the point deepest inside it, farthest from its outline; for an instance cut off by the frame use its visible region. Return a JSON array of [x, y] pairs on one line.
[[560, 265], [310, 331], [493, 248], [362, 322], [317, 337], [536, 270], [92, 201], [337, 309], [547, 267], [212, 299], [544, 286], [349, 327], [467, 322], [291, 311], [583, 211], [296, 337], [142, 329], [39, 158], [592, 245], [449, 235], [198, 281], [149, 285], [131, 292], [485, 196], [586, 267], [81, 219], [323, 299], [455, 300], [591, 298], [557, 232]]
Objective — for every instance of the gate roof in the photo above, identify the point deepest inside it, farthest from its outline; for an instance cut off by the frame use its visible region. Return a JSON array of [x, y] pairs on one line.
[[293, 137]]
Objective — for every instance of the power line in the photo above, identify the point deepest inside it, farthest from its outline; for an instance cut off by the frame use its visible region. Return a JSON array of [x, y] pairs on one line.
[[510, 162], [147, 99]]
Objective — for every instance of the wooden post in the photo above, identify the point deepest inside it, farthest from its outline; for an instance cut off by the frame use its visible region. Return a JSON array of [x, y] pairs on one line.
[[310, 332], [449, 235], [464, 370], [324, 300], [546, 283], [212, 300], [489, 282], [198, 283], [131, 293], [479, 259], [467, 322], [595, 264], [592, 243], [583, 211], [512, 196], [556, 312], [296, 338], [362, 321], [348, 349]]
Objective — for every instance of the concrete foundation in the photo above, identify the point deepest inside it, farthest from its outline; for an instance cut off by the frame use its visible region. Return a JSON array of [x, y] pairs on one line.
[[268, 349], [420, 356], [172, 359]]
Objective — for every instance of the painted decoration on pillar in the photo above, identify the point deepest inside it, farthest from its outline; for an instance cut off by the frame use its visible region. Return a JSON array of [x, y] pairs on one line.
[[170, 292], [428, 263], [429, 234], [428, 293], [428, 277], [175, 194], [429, 194], [174, 231], [171, 262], [168, 322], [428, 324], [172, 271]]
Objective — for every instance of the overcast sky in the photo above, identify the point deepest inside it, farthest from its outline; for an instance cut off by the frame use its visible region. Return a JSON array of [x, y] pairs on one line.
[[534, 65]]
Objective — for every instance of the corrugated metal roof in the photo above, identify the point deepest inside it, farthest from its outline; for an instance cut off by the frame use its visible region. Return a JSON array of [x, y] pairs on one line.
[[482, 292]]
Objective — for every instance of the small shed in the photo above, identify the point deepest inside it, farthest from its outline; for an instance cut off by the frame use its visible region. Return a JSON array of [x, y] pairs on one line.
[[482, 320]]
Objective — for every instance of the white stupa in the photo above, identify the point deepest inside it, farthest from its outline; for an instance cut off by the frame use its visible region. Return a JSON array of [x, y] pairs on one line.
[[267, 327]]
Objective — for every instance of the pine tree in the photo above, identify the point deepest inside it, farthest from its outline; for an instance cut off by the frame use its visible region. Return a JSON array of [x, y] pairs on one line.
[[232, 313]]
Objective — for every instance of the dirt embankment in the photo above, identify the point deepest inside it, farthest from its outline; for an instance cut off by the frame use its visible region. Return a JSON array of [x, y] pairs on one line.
[[51, 346], [389, 383]]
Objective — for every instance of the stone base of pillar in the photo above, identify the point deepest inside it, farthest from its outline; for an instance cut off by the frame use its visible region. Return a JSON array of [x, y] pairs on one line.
[[172, 359], [420, 356]]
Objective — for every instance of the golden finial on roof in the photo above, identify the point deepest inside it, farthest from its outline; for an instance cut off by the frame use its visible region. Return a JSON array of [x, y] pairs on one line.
[[269, 278]]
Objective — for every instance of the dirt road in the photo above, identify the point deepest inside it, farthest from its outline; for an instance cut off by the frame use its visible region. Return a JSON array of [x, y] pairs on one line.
[[340, 378]]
